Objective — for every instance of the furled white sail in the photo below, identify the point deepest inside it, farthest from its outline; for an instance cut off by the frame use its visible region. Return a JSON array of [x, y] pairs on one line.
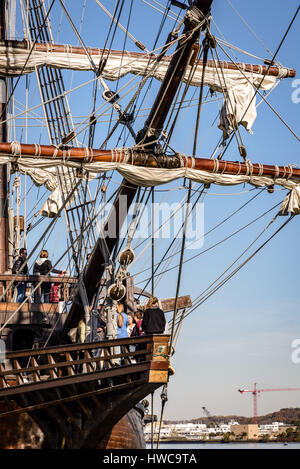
[[44, 172], [237, 85]]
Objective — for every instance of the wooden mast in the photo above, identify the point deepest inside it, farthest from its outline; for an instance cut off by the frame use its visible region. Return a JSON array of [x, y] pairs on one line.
[[3, 168], [104, 247]]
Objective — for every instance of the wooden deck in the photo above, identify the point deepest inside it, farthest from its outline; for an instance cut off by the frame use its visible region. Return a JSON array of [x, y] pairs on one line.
[[78, 392]]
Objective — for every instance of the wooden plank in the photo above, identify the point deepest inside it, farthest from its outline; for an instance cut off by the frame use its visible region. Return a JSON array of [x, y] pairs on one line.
[[156, 376], [182, 302], [162, 365], [77, 379], [29, 308], [88, 346], [3, 383], [37, 278], [72, 398], [168, 304]]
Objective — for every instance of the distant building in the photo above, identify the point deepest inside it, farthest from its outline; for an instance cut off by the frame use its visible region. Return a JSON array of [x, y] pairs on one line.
[[274, 429], [247, 432], [270, 427]]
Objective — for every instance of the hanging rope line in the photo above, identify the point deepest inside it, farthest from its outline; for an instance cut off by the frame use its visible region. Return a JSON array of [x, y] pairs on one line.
[[208, 232], [226, 279], [256, 89], [216, 244]]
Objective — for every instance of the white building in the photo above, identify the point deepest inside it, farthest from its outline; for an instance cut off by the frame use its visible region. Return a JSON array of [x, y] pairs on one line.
[[188, 430], [270, 427]]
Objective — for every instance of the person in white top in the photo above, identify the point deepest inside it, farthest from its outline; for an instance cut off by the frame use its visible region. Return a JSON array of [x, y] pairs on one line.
[[131, 325]]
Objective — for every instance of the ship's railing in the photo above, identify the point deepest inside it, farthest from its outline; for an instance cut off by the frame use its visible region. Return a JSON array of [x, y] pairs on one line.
[[86, 362], [66, 283]]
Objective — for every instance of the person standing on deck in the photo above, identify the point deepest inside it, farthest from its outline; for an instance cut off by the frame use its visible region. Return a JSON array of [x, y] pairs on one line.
[[43, 266], [122, 322], [154, 321], [18, 269], [131, 325], [111, 330]]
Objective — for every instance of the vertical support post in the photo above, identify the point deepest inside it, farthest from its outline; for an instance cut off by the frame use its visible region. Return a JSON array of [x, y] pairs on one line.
[[3, 168]]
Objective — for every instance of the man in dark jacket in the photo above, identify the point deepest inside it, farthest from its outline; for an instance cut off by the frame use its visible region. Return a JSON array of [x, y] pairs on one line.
[[20, 269], [154, 321]]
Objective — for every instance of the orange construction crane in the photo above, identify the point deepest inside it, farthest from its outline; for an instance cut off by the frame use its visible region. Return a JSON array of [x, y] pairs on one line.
[[255, 393]]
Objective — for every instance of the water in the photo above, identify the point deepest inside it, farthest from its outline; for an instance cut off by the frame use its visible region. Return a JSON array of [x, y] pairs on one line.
[[214, 446]]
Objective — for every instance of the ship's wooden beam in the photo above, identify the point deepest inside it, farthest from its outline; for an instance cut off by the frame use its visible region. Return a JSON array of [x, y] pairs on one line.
[[37, 278], [107, 156], [182, 302], [282, 72]]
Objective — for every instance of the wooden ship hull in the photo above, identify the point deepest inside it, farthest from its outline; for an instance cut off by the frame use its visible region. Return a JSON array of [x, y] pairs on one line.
[[74, 396], [22, 432], [86, 395]]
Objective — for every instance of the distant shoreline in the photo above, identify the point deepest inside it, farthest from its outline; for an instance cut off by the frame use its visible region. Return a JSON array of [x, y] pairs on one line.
[[213, 441]]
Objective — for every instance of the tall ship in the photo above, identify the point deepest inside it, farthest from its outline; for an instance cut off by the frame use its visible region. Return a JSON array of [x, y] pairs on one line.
[[105, 167]]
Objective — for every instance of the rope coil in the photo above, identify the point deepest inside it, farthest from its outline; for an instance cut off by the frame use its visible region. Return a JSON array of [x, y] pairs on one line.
[[15, 149], [37, 150]]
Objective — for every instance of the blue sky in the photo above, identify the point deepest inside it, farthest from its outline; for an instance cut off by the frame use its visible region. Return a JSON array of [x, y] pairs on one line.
[[243, 333]]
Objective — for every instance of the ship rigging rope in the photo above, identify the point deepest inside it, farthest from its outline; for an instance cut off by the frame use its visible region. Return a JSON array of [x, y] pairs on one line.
[[226, 279], [53, 221], [94, 68], [167, 12], [205, 234], [223, 41], [127, 33], [65, 93], [180, 268], [50, 81], [139, 44], [139, 216], [214, 245], [180, 206], [143, 82], [164, 400], [182, 203], [139, 85], [192, 71], [261, 95], [150, 83], [224, 86], [169, 259], [89, 224], [24, 66], [187, 86], [248, 27], [256, 89]]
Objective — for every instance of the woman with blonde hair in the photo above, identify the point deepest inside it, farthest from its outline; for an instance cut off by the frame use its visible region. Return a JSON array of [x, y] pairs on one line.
[[154, 321], [122, 321], [43, 266]]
